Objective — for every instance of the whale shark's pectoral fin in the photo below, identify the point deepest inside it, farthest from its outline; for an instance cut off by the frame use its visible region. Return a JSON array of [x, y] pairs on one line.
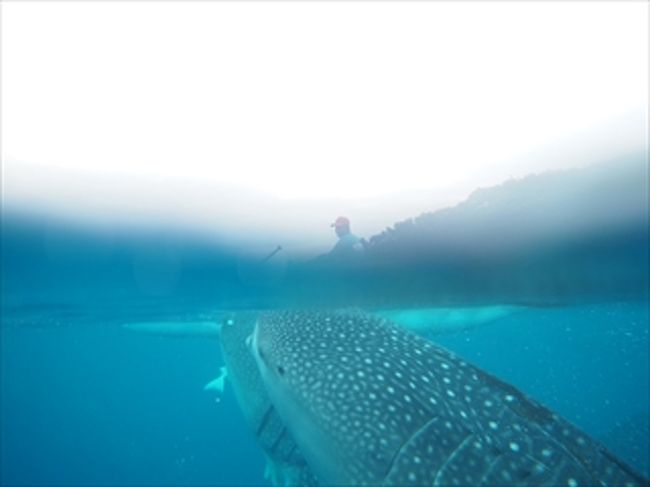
[[282, 474], [269, 472], [438, 320], [219, 383]]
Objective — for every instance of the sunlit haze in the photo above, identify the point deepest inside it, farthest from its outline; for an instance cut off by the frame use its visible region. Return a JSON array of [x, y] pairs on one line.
[[273, 118]]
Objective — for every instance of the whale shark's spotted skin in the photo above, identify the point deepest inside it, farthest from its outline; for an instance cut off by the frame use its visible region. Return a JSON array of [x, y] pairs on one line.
[[370, 403], [286, 466]]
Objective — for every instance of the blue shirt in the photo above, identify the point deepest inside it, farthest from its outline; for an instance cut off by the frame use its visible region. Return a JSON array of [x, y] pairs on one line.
[[348, 245]]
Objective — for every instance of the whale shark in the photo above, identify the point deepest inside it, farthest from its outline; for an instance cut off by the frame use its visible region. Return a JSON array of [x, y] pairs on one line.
[[285, 463], [369, 403]]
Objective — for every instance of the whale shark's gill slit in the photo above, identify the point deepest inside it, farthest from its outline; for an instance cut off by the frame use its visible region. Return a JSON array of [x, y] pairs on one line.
[[526, 475], [292, 451], [573, 454], [404, 445], [278, 439], [451, 457], [265, 421], [493, 463]]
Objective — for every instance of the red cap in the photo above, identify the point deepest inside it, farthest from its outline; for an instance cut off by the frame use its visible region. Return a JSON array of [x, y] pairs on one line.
[[341, 222]]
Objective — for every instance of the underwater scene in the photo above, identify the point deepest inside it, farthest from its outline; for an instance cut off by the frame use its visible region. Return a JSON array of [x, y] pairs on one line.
[[130, 357]]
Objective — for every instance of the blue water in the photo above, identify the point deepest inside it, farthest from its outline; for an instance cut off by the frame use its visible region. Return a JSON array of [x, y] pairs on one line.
[[85, 401]]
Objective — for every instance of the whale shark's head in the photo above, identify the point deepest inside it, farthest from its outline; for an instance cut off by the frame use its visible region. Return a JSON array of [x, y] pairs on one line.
[[286, 465], [338, 382], [277, 343]]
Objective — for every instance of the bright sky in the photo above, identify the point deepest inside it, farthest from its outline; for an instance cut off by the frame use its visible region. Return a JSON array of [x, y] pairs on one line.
[[281, 114]]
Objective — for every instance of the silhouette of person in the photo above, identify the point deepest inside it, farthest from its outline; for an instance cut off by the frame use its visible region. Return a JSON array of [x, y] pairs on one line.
[[348, 245]]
